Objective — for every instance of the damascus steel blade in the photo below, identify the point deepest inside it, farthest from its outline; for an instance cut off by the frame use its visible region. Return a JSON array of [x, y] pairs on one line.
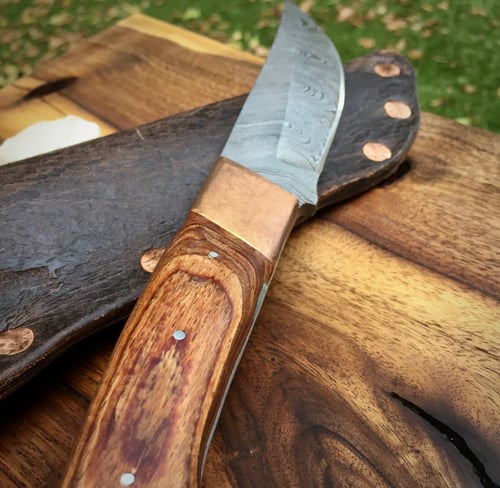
[[289, 119]]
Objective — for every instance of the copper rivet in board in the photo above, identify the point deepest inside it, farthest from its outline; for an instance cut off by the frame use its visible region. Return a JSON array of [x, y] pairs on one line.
[[397, 110], [150, 258], [375, 151], [14, 341], [387, 70]]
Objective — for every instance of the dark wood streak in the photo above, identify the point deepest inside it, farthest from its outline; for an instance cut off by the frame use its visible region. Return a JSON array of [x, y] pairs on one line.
[[49, 87], [454, 437]]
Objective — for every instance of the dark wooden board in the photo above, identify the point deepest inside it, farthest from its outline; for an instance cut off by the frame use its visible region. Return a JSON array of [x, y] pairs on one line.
[[375, 358]]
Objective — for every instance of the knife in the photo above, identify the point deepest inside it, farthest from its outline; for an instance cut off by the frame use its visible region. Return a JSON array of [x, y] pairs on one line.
[[129, 192], [152, 419]]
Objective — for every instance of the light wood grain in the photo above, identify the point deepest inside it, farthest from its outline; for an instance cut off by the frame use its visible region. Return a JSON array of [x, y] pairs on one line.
[[189, 40], [375, 359]]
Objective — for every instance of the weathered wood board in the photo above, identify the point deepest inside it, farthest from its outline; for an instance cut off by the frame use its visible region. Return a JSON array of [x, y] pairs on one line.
[[375, 361]]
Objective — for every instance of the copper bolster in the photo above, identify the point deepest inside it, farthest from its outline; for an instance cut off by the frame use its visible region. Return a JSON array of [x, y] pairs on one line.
[[252, 208]]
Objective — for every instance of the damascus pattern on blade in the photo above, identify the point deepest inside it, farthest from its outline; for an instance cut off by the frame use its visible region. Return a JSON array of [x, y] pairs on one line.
[[288, 122]]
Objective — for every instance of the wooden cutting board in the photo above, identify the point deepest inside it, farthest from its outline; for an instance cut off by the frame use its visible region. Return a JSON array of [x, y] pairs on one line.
[[375, 360]]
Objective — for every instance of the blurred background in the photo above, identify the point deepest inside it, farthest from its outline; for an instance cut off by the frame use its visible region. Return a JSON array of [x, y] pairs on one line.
[[453, 44]]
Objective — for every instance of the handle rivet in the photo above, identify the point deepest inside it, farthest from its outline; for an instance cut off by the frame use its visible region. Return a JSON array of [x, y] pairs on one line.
[[127, 479], [213, 254], [179, 335]]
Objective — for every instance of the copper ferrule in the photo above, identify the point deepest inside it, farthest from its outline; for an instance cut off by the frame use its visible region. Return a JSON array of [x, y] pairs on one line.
[[246, 204]]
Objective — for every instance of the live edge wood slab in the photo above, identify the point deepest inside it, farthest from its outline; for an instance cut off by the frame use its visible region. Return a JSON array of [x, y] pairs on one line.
[[375, 360]]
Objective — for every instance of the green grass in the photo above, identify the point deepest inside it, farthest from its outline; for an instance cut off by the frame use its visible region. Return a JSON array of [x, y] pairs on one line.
[[453, 44]]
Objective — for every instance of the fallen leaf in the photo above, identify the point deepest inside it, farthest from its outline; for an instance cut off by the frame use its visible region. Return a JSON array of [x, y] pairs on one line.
[[27, 17], [396, 24], [236, 36], [55, 42], [439, 59], [60, 19], [261, 51], [253, 42], [31, 50], [344, 13], [219, 36], [132, 9], [11, 70], [481, 12], [35, 34], [11, 36], [15, 46], [463, 120], [366, 43], [415, 54], [191, 13], [307, 5], [430, 23], [393, 23], [469, 88], [113, 12]]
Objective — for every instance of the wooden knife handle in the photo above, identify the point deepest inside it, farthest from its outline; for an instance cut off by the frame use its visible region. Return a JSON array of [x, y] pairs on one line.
[[152, 419]]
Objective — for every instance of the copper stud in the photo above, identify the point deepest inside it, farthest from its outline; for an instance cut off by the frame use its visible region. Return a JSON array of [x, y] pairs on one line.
[[397, 110], [387, 70], [150, 258], [14, 341], [375, 151]]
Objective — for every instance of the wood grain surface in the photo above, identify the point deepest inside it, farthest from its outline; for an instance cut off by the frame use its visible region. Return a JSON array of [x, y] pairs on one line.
[[375, 361]]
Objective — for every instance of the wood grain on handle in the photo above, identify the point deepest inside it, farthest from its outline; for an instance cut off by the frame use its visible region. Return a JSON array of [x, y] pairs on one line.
[[152, 418]]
